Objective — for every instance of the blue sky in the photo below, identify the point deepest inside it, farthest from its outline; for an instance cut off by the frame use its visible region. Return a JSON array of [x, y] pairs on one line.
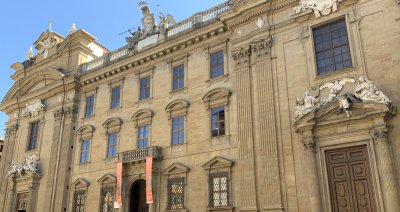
[[22, 21]]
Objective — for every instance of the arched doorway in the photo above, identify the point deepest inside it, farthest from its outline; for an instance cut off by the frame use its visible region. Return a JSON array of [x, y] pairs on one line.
[[138, 197]]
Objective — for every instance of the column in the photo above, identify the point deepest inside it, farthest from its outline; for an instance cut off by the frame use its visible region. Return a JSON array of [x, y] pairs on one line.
[[311, 165], [386, 169]]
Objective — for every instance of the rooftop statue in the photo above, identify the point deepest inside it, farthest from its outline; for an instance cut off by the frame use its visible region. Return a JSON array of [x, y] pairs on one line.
[[150, 27]]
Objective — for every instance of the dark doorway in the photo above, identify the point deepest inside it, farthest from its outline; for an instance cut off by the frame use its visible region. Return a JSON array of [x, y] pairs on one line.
[[138, 197], [350, 180]]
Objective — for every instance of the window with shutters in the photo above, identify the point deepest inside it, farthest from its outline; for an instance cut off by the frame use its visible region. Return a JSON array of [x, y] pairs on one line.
[[79, 200], [218, 189]]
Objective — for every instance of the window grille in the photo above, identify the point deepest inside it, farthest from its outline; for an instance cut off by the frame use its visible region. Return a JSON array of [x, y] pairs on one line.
[[79, 201], [218, 190], [176, 193]]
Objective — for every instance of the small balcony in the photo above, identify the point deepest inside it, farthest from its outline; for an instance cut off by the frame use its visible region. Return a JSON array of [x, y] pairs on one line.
[[140, 154]]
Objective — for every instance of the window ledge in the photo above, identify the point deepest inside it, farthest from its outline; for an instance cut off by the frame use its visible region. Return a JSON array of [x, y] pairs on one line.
[[144, 101], [176, 210], [227, 208], [220, 140], [113, 110], [224, 77], [88, 118], [178, 91], [348, 72]]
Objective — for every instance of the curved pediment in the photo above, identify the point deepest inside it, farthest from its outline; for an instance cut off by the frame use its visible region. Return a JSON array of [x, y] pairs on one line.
[[33, 82], [142, 114], [177, 104], [112, 122]]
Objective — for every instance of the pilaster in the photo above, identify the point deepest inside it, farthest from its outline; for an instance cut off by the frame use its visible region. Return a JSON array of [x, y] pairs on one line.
[[310, 147], [61, 154], [267, 148], [9, 142], [380, 136], [247, 191]]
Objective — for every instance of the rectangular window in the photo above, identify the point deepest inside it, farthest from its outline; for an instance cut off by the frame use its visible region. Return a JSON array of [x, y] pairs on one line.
[[89, 106], [85, 151], [143, 137], [219, 189], [332, 47], [218, 121], [178, 130], [176, 193], [115, 97], [178, 77], [79, 200], [112, 145], [217, 64], [145, 88], [33, 136]]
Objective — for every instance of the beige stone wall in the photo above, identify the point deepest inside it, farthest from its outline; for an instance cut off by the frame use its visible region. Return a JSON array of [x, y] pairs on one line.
[[271, 169]]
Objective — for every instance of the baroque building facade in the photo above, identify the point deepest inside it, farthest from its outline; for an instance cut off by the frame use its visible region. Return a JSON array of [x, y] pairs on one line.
[[252, 105]]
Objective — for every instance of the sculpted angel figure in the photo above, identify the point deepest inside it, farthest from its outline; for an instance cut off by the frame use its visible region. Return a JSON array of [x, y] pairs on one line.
[[335, 88], [165, 22], [367, 91]]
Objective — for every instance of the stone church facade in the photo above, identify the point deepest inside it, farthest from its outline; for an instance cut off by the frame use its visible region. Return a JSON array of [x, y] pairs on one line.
[[280, 105]]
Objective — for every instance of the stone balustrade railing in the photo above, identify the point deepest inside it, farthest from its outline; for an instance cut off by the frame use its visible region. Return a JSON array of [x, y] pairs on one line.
[[196, 21], [140, 154]]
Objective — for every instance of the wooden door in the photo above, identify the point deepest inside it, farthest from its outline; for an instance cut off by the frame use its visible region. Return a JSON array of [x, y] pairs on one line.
[[350, 181]]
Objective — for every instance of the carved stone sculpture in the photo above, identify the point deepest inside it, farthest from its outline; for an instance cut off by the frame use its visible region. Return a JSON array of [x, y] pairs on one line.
[[34, 107], [148, 20], [306, 105], [367, 91], [29, 54], [29, 165], [320, 7], [335, 88], [165, 22], [45, 45]]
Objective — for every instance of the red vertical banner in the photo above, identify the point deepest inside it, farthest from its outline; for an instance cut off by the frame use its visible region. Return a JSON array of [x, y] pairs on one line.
[[119, 182], [149, 171]]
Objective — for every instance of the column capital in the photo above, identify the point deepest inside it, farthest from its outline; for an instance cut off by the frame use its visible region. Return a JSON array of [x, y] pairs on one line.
[[11, 130], [309, 143], [241, 56], [380, 134]]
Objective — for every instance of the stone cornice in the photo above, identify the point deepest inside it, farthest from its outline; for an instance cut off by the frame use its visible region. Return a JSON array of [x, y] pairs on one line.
[[149, 56]]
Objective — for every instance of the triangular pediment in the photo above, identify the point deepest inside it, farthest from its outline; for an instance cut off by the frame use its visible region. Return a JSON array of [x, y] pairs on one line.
[[218, 162], [80, 183], [54, 35], [108, 178], [333, 114], [176, 168]]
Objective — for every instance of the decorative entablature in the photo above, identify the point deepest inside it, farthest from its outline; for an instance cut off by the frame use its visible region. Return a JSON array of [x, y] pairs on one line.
[[343, 106], [151, 55]]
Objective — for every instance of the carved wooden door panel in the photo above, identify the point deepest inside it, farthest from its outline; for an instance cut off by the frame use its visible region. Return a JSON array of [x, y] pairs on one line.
[[350, 181]]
